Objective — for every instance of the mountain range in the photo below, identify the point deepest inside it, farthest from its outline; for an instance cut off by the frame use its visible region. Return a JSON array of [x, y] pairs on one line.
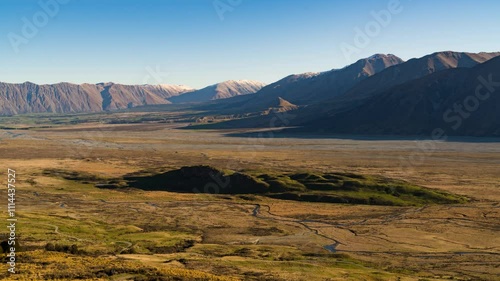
[[406, 98], [74, 98], [456, 101], [382, 94]]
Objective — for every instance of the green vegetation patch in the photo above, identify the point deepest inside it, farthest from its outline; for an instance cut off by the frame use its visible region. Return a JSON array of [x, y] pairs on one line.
[[73, 175], [333, 187], [201, 179], [361, 189]]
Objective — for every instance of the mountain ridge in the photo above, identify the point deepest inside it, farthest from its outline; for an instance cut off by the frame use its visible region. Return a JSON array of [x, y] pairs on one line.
[[301, 89], [311, 116], [64, 97], [424, 105]]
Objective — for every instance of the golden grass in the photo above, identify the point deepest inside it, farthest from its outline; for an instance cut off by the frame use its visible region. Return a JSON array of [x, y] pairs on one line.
[[284, 241]]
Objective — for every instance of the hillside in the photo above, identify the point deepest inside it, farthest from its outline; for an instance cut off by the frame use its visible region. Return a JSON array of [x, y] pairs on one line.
[[331, 116], [454, 101], [307, 88]]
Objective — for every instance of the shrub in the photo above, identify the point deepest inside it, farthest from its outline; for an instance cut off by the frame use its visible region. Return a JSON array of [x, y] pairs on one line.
[[50, 247]]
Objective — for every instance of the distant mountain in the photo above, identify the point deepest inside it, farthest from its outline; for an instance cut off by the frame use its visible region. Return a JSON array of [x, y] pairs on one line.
[[323, 116], [381, 94], [70, 98], [414, 69], [307, 88], [218, 91], [462, 101], [369, 88]]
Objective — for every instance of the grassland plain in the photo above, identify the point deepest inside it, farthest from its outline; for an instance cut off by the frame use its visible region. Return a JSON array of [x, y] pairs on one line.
[[132, 234]]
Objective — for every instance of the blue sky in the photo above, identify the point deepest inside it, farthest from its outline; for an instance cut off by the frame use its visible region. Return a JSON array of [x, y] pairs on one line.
[[201, 42]]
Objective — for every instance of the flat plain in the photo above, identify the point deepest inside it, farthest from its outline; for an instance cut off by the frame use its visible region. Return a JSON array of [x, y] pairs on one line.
[[131, 234]]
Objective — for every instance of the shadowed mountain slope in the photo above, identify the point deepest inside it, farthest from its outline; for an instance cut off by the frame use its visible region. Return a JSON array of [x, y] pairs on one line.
[[323, 116], [462, 101]]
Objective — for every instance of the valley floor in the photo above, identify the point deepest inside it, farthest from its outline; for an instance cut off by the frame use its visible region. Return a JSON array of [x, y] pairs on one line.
[[139, 235]]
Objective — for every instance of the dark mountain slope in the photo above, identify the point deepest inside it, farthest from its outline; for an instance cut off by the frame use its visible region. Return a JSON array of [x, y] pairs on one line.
[[367, 90], [463, 101], [307, 88]]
